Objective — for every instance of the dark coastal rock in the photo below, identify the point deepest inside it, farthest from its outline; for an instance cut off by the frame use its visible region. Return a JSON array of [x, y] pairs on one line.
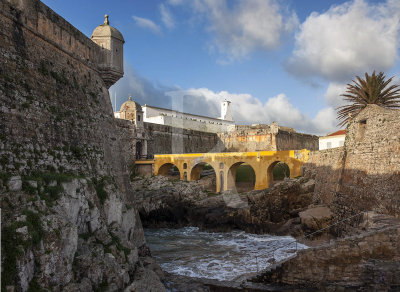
[[165, 203]]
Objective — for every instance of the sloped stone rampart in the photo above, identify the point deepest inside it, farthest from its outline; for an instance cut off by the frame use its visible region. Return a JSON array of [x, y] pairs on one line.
[[371, 259], [71, 223]]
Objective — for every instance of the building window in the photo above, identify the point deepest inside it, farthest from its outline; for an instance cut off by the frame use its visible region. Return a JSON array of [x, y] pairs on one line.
[[138, 118], [328, 145], [185, 166]]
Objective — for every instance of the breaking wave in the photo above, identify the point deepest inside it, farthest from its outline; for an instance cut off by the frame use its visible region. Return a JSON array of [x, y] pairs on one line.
[[221, 256]]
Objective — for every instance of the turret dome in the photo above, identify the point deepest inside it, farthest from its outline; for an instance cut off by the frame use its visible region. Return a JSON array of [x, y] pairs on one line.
[[105, 30], [130, 106]]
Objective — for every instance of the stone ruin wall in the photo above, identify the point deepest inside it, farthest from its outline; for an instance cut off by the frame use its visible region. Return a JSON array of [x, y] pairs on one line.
[[170, 140], [371, 173], [296, 141], [127, 133], [325, 167], [373, 258], [365, 173], [266, 138]]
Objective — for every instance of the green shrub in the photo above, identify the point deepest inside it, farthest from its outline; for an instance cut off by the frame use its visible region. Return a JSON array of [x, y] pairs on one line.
[[99, 187], [34, 286], [35, 228], [11, 250]]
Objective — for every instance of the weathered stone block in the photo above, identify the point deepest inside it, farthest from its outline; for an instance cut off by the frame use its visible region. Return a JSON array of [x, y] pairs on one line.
[[14, 183]]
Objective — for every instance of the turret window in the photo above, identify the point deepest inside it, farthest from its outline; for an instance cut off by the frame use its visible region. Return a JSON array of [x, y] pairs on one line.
[[138, 118]]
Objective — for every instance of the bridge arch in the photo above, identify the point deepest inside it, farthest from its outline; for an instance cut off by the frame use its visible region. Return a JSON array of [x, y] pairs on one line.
[[231, 176], [164, 169], [272, 168], [197, 170]]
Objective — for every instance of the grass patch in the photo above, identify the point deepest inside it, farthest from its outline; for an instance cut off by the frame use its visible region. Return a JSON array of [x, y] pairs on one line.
[[120, 247], [5, 177], [34, 286], [35, 228], [99, 185], [11, 243]]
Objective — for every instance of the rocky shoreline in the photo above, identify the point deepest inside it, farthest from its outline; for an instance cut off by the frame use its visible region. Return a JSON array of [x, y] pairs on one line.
[[284, 209], [287, 208]]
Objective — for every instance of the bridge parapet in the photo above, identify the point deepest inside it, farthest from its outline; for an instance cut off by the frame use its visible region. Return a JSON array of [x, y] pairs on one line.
[[225, 165]]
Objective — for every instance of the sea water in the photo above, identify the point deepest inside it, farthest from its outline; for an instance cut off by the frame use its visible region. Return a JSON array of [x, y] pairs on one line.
[[221, 256]]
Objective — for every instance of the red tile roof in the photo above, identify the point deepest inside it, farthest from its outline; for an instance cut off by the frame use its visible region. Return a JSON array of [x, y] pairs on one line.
[[340, 132]]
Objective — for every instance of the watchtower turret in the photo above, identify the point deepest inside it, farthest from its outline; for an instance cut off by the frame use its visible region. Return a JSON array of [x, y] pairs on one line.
[[226, 113], [112, 62]]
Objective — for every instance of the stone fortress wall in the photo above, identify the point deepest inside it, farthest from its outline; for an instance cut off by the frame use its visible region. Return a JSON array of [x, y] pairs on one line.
[[172, 140], [61, 161], [45, 24], [156, 115], [266, 137]]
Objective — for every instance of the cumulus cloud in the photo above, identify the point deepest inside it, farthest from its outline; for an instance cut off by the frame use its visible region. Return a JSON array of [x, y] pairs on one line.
[[147, 24], [243, 26], [246, 109], [347, 40], [325, 121], [333, 94], [166, 17]]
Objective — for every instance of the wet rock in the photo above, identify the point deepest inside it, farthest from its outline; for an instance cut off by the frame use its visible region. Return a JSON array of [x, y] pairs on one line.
[[189, 203], [144, 281]]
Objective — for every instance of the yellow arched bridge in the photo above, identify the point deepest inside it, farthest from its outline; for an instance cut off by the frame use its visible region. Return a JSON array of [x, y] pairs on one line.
[[225, 165]]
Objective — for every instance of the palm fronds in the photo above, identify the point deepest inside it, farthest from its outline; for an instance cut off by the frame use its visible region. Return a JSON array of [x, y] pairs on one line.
[[373, 89]]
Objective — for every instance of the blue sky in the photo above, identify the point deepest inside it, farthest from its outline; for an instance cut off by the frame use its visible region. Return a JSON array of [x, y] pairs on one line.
[[285, 61]]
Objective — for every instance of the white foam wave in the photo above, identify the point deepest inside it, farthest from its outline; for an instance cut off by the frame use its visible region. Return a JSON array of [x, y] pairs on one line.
[[222, 256]]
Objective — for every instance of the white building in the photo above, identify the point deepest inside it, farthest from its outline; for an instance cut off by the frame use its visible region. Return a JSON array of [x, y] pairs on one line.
[[162, 116], [332, 140]]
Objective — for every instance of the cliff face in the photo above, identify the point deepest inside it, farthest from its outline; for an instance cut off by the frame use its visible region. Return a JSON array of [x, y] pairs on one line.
[[68, 221]]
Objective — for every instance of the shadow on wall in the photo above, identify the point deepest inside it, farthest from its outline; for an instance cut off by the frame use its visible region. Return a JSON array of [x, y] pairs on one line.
[[349, 191]]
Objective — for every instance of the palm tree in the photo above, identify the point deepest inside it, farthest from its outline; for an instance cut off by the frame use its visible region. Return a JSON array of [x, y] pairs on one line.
[[371, 90]]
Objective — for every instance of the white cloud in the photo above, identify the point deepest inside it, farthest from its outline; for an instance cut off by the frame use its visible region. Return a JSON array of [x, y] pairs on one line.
[[147, 24], [243, 26], [246, 109], [166, 17], [325, 121], [333, 94], [347, 40]]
